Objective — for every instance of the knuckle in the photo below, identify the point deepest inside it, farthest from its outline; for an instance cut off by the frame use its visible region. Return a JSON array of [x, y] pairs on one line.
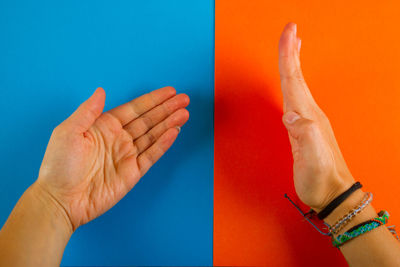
[[151, 138], [297, 74], [147, 121], [292, 75], [152, 99], [166, 107], [150, 158]]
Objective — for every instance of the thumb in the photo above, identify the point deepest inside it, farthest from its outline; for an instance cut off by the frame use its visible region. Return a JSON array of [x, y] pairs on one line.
[[299, 128], [87, 113], [305, 138]]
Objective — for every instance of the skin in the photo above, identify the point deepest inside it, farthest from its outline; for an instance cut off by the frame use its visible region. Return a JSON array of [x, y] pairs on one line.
[[320, 172], [93, 159]]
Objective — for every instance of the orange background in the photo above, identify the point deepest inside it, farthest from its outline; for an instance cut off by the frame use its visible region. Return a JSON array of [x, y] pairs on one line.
[[351, 60]]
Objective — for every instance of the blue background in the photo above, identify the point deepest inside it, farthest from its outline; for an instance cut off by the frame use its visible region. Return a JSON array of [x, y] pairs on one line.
[[53, 54]]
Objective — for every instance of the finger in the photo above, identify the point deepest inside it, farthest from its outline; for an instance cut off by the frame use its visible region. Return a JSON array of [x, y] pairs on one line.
[[133, 109], [297, 126], [305, 138], [144, 123], [296, 95], [87, 113], [154, 152], [177, 119]]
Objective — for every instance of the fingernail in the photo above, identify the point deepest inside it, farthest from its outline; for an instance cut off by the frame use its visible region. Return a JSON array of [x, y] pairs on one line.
[[291, 117], [295, 30], [178, 128], [298, 44]]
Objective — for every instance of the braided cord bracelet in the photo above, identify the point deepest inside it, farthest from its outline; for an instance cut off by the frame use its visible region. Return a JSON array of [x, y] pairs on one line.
[[342, 222], [361, 229]]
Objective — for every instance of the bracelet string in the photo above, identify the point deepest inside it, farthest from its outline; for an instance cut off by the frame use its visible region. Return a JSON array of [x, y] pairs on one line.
[[338, 200], [353, 232]]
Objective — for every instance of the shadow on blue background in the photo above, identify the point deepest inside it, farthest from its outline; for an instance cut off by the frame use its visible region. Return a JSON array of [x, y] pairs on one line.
[[53, 54]]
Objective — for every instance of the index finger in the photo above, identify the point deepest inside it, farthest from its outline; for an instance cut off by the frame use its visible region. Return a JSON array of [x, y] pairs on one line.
[[296, 95], [138, 106]]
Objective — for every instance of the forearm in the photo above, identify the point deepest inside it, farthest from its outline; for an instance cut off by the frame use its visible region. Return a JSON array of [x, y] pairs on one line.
[[375, 248], [36, 232]]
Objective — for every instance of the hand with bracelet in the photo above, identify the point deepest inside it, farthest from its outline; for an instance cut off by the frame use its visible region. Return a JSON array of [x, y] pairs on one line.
[[321, 177]]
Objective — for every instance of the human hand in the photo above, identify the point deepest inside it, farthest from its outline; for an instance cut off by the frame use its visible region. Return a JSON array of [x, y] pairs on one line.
[[319, 170], [94, 159]]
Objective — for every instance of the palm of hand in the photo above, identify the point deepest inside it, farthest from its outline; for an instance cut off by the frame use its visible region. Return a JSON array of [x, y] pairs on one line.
[[88, 172], [105, 171]]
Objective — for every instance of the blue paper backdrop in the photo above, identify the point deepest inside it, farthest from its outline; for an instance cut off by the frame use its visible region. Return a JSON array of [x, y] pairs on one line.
[[53, 54]]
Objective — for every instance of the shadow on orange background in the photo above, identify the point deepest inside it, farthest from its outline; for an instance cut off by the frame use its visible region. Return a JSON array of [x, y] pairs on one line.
[[350, 54]]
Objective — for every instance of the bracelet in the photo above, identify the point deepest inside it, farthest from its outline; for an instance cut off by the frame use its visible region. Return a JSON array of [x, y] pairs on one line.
[[342, 222], [338, 200], [361, 228], [392, 230]]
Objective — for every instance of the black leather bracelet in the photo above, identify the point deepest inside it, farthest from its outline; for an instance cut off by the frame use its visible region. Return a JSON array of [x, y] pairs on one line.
[[337, 201]]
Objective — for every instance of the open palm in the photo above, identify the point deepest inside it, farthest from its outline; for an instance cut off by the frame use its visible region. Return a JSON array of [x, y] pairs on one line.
[[94, 159]]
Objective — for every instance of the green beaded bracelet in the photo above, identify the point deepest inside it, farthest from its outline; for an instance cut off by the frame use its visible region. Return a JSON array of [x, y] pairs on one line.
[[361, 229]]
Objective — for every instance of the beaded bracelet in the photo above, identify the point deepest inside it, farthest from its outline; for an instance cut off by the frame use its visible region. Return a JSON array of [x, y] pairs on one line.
[[342, 222], [361, 229]]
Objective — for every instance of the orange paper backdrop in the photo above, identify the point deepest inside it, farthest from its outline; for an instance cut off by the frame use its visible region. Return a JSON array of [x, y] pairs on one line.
[[351, 60]]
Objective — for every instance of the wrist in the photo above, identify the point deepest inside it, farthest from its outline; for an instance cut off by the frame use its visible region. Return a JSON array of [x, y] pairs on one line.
[[39, 227], [52, 209], [332, 188]]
